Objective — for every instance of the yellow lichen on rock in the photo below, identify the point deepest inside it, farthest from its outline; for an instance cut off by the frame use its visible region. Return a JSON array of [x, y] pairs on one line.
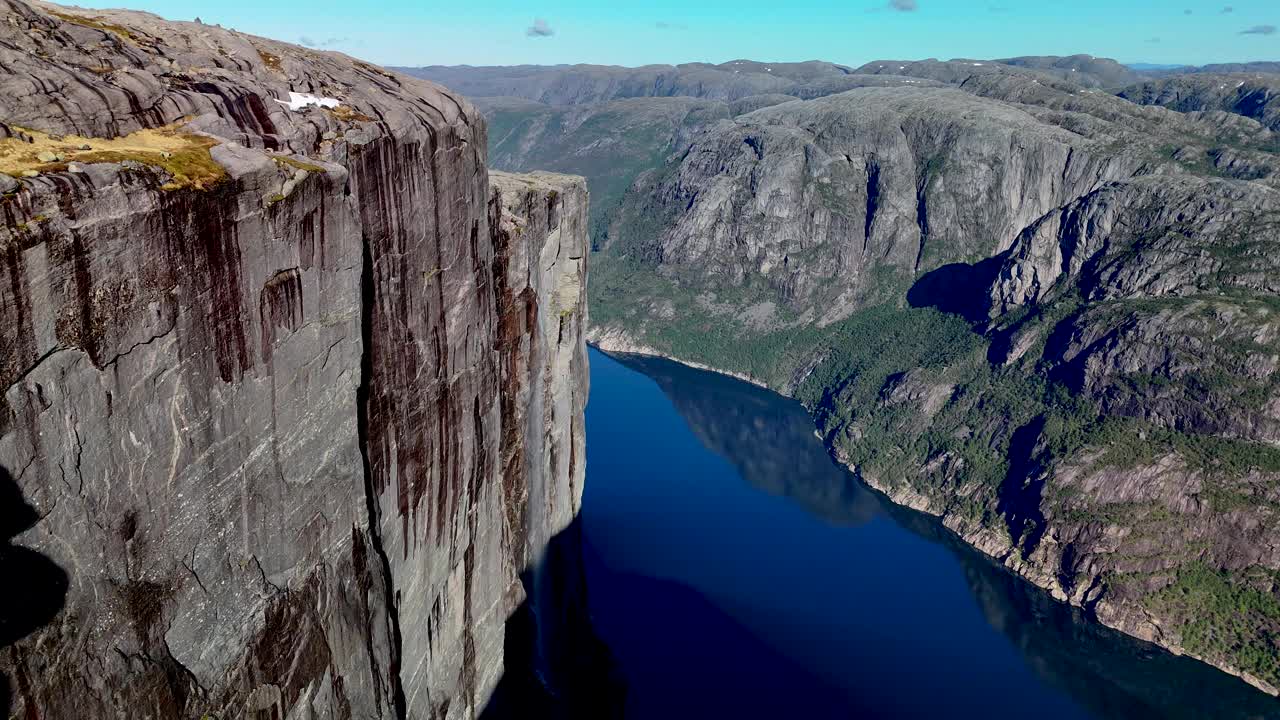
[[182, 155], [297, 164], [349, 114]]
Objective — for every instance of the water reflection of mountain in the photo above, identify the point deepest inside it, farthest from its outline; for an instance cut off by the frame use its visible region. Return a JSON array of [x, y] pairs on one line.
[[1113, 675], [769, 440]]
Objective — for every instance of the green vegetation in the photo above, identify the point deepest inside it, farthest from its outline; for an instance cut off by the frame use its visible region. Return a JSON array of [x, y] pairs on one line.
[[1131, 443], [1222, 618], [872, 343]]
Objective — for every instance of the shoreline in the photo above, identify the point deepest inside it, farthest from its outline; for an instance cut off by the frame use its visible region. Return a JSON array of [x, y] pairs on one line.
[[616, 341]]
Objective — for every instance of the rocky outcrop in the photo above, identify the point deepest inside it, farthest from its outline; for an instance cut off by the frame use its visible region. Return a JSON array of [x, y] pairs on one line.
[[294, 405], [539, 223]]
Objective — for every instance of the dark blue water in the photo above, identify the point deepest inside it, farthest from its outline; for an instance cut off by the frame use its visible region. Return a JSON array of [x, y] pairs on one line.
[[735, 572]]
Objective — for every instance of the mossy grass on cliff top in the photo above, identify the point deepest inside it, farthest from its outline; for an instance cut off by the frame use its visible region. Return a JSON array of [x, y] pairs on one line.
[[100, 23], [182, 155]]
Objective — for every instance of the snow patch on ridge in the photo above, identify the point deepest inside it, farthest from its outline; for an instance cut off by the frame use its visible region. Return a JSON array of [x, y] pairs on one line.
[[298, 101]]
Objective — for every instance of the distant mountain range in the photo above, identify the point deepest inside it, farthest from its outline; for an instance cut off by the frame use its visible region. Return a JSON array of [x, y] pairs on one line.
[[583, 84], [1143, 67]]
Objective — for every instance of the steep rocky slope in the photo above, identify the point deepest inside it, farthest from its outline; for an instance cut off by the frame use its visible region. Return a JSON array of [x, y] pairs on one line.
[[293, 395], [1036, 310]]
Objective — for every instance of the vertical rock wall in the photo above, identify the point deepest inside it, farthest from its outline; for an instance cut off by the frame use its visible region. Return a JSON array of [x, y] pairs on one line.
[[276, 445]]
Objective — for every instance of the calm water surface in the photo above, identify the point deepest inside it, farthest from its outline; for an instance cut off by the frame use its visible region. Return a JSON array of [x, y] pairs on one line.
[[736, 572]]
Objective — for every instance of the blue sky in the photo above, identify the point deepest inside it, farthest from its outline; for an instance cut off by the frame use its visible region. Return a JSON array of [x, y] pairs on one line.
[[500, 32]]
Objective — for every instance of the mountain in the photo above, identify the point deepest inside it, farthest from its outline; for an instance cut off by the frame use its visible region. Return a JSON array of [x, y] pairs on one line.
[[1083, 69], [294, 388], [1149, 67], [612, 123], [587, 84], [1249, 67], [1037, 310], [1254, 95]]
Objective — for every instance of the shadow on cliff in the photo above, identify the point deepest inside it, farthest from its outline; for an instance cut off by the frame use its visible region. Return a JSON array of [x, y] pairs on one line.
[[555, 665], [35, 587], [960, 289]]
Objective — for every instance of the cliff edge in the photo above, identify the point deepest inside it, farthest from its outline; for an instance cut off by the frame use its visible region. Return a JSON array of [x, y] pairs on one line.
[[291, 406]]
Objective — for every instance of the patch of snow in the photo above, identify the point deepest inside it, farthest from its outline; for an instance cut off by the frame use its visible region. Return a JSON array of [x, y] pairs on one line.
[[298, 101], [977, 64]]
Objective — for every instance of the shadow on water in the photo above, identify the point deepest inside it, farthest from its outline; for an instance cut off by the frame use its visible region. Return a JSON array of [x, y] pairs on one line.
[[695, 678], [555, 666], [959, 288], [769, 441], [35, 588]]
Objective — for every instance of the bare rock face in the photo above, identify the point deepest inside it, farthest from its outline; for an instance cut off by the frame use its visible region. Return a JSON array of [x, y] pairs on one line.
[[287, 439], [818, 197]]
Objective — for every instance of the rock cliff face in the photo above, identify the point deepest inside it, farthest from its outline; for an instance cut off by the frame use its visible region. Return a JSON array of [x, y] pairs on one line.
[[295, 396]]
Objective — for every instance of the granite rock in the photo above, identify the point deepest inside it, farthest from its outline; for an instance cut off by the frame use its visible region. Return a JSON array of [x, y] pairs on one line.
[[264, 419]]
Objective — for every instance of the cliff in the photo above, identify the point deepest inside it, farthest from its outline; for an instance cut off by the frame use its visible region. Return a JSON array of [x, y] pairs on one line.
[[293, 395]]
